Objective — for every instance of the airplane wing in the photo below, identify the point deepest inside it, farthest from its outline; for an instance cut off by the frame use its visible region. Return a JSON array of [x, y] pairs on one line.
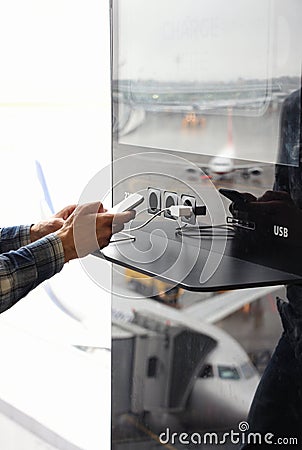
[[222, 305], [43, 184], [47, 375], [39, 315], [250, 169], [75, 297], [248, 166]]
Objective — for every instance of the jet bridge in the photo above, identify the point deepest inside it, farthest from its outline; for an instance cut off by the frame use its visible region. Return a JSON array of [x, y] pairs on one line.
[[155, 363]]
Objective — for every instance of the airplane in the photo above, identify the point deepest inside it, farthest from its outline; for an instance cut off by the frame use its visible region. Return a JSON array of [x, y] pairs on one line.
[[220, 382], [223, 164]]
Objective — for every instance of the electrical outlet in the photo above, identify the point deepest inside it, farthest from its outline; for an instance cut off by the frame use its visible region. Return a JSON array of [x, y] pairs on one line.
[[154, 200], [170, 199], [189, 200]]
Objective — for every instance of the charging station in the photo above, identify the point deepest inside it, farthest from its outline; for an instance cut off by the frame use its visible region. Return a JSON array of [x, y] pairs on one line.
[[192, 252]]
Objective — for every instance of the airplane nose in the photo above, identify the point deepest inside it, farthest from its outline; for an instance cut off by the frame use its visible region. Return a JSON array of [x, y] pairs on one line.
[[241, 409], [219, 405]]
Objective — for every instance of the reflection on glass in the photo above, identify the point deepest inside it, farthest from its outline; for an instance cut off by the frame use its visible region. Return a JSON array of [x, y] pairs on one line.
[[178, 71]]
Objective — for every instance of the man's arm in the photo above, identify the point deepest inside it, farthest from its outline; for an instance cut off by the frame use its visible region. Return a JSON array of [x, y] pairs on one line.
[[30, 254], [12, 238], [78, 232], [24, 269]]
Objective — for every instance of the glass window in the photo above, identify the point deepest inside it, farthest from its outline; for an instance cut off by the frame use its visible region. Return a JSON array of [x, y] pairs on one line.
[[152, 367], [206, 371], [228, 373], [248, 370]]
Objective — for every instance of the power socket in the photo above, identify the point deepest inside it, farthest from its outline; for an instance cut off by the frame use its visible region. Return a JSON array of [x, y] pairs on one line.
[[170, 199], [189, 200], [154, 200]]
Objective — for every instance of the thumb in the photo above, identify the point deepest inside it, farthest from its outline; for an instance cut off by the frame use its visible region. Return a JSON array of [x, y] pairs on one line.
[[90, 208]]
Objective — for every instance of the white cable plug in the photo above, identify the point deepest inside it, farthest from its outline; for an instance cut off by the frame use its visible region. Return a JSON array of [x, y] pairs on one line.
[[180, 211]]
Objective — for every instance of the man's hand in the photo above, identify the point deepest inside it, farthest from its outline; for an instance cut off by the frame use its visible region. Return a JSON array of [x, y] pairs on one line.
[[276, 205], [89, 228], [51, 225], [247, 198], [275, 208], [273, 204]]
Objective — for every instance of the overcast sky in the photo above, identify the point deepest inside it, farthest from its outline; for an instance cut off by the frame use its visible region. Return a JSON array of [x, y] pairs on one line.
[[208, 40]]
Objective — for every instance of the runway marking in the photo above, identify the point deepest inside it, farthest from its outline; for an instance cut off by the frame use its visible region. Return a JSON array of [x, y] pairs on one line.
[[148, 432]]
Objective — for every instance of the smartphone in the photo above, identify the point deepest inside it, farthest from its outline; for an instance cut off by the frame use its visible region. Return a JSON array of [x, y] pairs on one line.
[[129, 203]]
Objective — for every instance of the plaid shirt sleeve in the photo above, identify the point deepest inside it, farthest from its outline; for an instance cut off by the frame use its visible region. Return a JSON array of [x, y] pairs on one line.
[[12, 238], [23, 269]]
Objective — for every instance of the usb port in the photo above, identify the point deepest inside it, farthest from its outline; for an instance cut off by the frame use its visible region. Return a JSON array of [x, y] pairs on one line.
[[241, 223]]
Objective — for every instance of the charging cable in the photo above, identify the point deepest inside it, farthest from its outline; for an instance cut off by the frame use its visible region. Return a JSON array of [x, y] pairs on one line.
[[176, 211], [212, 231]]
